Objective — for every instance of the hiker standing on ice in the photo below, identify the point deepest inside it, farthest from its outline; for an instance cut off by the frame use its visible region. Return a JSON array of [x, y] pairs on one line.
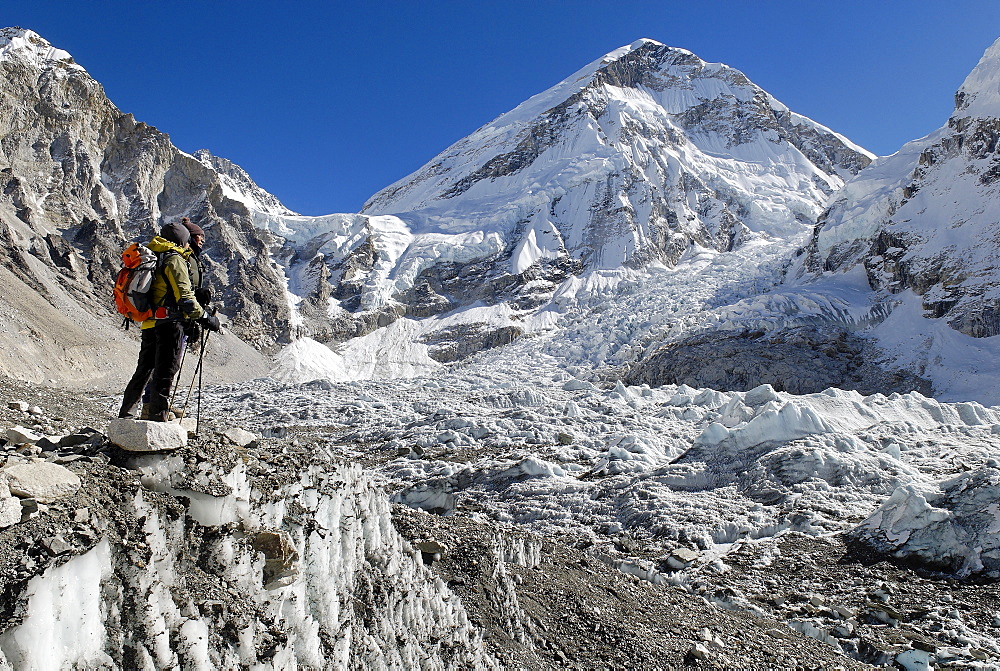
[[202, 294], [162, 341]]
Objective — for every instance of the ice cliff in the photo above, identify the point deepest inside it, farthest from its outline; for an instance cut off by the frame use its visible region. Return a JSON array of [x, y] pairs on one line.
[[212, 558]]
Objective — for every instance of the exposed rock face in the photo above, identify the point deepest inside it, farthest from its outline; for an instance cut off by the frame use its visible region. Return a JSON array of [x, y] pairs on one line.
[[927, 219], [801, 360], [79, 179], [465, 340]]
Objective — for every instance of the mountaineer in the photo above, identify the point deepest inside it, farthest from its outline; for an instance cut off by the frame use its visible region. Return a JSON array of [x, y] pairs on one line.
[[175, 308], [202, 294]]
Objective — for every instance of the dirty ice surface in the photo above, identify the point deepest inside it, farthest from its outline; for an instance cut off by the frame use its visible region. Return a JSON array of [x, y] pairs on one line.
[[535, 434]]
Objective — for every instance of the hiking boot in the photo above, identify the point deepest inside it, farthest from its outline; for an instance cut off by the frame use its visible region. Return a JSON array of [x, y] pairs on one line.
[[144, 413]]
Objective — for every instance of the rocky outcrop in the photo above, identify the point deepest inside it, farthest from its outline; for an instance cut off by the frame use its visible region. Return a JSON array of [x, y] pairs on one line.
[[801, 360], [461, 342]]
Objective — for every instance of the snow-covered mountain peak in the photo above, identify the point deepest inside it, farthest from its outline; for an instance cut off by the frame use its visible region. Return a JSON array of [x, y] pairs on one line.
[[643, 41], [631, 66], [23, 44], [239, 186], [629, 160], [979, 95]]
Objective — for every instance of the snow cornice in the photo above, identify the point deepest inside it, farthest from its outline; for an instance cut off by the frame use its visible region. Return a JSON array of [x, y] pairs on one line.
[[26, 45]]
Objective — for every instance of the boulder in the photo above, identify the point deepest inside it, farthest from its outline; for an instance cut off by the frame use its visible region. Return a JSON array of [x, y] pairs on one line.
[[10, 508], [136, 435], [10, 511], [239, 437], [74, 439], [682, 558], [18, 405], [20, 435], [49, 443], [41, 480], [57, 545]]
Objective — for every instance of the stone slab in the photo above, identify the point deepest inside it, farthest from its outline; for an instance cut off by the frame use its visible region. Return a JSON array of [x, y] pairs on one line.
[[20, 435], [239, 437], [137, 435], [41, 480]]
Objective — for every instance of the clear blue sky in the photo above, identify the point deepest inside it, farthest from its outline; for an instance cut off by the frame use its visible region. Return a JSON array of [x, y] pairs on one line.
[[325, 103]]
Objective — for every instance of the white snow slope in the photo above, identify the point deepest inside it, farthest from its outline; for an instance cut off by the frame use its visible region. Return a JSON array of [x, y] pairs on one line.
[[644, 158], [643, 119]]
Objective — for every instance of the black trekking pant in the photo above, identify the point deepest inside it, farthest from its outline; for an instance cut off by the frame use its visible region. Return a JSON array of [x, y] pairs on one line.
[[160, 350]]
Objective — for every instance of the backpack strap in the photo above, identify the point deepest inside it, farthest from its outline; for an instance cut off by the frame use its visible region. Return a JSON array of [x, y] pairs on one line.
[[169, 300]]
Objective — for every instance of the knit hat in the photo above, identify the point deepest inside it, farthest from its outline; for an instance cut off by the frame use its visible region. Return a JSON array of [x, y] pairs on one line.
[[176, 233], [192, 227]]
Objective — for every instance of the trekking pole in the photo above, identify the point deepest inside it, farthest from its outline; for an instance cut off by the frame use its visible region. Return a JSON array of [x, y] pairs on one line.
[[180, 373], [194, 376], [201, 373], [187, 397]]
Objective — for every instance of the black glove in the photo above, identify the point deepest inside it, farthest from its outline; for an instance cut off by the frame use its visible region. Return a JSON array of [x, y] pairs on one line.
[[192, 330], [203, 295], [211, 322]]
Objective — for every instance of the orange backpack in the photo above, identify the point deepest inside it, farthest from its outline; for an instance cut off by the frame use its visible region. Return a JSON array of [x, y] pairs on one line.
[[134, 282]]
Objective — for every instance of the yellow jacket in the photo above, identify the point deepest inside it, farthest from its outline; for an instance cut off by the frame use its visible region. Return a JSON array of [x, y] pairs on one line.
[[171, 287]]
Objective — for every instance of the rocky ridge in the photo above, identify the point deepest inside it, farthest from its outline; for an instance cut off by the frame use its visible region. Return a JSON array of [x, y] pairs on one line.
[[80, 179], [925, 218]]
